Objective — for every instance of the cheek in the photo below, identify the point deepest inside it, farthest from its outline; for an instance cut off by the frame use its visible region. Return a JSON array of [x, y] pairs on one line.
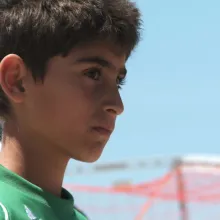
[[64, 106]]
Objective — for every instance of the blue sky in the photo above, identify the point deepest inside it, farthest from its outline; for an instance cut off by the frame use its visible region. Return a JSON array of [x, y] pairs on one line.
[[171, 98]]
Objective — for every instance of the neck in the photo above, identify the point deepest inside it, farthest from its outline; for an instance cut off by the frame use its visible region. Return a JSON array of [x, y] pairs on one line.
[[32, 159]]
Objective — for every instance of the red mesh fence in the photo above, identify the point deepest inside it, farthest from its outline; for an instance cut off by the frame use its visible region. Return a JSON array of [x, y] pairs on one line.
[[183, 194]]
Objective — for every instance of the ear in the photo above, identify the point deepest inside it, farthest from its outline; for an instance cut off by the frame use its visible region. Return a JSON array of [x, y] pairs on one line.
[[12, 73]]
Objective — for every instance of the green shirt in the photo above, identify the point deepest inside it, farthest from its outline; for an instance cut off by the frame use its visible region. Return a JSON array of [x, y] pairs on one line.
[[21, 200]]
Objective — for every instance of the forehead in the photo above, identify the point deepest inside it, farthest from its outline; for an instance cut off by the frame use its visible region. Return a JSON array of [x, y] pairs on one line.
[[106, 50]]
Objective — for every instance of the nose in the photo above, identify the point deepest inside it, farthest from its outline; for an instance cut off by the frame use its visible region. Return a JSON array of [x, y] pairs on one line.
[[114, 104]]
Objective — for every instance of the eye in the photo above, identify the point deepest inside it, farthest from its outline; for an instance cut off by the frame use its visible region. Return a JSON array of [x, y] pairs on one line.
[[93, 73], [120, 81]]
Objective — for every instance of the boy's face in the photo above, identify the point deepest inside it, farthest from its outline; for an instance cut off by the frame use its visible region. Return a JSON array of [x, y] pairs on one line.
[[75, 109]]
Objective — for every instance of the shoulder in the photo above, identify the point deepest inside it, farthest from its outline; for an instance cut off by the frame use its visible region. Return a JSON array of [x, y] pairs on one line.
[[5, 199], [15, 210], [11, 205]]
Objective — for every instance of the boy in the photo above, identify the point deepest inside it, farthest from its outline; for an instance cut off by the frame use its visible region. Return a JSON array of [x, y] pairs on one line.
[[62, 64]]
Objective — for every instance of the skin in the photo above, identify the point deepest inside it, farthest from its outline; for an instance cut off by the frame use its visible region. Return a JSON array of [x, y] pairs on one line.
[[70, 115]]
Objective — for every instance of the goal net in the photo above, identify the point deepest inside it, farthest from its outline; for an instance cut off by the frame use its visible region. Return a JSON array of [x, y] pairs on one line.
[[190, 191]]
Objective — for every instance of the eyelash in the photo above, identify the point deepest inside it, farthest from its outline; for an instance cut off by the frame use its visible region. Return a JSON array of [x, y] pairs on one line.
[[121, 81], [92, 73]]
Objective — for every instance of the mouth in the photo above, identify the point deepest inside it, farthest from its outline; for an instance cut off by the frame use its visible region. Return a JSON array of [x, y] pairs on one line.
[[103, 131]]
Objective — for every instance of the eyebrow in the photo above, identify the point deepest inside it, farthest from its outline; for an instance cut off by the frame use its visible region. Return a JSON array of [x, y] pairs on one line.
[[102, 62]]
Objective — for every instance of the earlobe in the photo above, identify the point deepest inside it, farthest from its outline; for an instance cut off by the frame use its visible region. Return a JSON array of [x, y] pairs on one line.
[[12, 72]]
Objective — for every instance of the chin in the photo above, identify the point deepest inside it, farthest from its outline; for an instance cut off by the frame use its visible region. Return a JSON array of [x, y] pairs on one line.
[[90, 155], [93, 156], [91, 160], [87, 159]]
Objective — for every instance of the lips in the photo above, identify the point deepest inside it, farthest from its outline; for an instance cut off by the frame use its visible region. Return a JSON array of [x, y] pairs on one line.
[[103, 130]]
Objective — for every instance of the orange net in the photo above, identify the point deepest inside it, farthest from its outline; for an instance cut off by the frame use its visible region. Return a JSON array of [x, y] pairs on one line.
[[183, 194]]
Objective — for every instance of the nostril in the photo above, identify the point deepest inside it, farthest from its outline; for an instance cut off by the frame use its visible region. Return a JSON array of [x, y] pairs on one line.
[[112, 111]]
